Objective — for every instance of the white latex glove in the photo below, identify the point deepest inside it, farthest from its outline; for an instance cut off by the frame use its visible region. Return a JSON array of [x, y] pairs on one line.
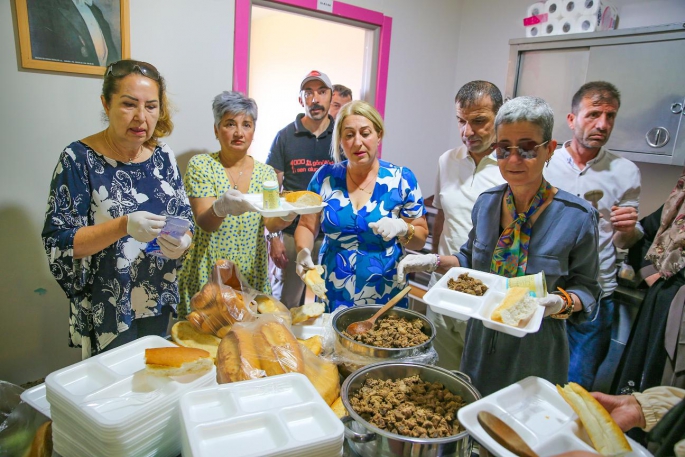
[[304, 262], [553, 304], [416, 262], [389, 228], [232, 202], [144, 226], [173, 248]]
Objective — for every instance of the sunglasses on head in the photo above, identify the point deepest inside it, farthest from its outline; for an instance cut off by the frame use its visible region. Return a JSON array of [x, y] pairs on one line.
[[126, 67], [526, 149]]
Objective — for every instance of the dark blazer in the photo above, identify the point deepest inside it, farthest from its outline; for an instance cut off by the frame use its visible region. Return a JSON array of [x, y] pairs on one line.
[[58, 32]]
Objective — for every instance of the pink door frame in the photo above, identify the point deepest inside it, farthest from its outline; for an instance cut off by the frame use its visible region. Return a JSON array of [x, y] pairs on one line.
[[241, 43]]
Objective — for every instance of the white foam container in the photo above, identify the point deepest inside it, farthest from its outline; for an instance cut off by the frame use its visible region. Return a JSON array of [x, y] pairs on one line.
[[35, 396], [536, 411], [465, 306], [280, 415], [286, 208]]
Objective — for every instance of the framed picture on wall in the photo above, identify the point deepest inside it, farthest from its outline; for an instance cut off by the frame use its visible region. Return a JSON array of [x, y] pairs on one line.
[[74, 36]]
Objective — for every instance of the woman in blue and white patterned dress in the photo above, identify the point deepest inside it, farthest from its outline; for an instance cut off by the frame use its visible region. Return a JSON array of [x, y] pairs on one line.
[[110, 195], [375, 210]]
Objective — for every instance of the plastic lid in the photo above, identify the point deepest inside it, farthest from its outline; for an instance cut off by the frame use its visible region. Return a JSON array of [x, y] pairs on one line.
[[270, 184]]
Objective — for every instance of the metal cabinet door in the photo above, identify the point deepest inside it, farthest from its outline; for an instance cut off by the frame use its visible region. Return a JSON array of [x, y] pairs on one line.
[[553, 75], [651, 78]]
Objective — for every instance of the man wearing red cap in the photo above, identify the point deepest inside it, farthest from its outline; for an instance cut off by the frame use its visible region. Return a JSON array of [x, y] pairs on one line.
[[297, 152]]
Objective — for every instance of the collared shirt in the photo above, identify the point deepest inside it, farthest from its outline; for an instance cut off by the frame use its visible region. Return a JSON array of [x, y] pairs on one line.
[[457, 187], [617, 177], [96, 35]]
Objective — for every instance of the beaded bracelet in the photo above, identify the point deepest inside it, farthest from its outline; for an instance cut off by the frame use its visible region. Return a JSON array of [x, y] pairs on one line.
[[567, 310]]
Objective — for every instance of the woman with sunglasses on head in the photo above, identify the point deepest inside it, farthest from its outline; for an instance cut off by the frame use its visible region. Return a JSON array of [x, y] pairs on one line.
[[229, 227], [110, 195], [521, 228]]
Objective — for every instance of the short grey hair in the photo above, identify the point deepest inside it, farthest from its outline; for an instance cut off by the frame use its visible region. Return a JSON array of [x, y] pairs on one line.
[[527, 109], [233, 102]]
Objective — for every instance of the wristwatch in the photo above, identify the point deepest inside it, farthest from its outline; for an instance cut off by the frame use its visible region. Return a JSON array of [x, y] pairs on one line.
[[271, 235]]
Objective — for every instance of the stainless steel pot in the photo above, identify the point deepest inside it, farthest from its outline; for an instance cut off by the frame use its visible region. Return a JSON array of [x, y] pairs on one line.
[[370, 441], [359, 313]]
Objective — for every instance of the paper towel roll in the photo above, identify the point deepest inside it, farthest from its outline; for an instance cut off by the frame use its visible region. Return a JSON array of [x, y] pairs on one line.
[[585, 23], [589, 6], [536, 9], [552, 27], [570, 8], [553, 8], [534, 31], [566, 26]]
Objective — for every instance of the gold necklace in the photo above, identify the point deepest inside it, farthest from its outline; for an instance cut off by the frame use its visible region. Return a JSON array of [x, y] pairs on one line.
[[116, 151], [240, 174], [363, 189]]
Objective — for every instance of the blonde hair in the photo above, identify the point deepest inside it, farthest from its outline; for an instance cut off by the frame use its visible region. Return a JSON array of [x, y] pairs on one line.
[[354, 108]]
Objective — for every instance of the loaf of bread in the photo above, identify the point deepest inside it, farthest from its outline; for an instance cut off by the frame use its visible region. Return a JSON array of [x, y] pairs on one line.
[[313, 280], [185, 334], [278, 349], [323, 375], [236, 358], [306, 312], [303, 198], [606, 436], [216, 307], [269, 305], [339, 408], [314, 344], [177, 361], [516, 308]]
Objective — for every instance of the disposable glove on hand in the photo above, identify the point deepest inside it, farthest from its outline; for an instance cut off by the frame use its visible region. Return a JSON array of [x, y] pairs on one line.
[[553, 304], [389, 228], [144, 226], [173, 248], [304, 262], [232, 202], [416, 262]]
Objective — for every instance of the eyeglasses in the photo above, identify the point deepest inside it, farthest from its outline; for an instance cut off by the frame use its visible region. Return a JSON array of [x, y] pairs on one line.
[[308, 94], [526, 149], [126, 67]]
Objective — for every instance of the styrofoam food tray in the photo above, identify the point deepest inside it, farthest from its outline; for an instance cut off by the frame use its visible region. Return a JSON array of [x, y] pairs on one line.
[[112, 389], [286, 208], [464, 306], [536, 411], [316, 327], [35, 396], [278, 415]]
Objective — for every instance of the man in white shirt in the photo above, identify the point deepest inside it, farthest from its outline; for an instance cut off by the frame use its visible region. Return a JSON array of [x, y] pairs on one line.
[[463, 173], [583, 165]]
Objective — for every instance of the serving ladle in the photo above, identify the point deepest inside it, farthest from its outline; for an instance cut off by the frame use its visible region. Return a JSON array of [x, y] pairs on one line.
[[357, 328]]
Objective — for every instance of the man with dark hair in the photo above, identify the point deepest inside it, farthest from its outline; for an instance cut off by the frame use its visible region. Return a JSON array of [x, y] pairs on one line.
[[297, 152], [463, 173], [584, 167], [341, 95]]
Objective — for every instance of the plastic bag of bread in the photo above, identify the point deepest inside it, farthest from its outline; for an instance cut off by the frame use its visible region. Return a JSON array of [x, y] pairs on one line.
[[223, 301], [323, 374], [258, 348], [267, 304]]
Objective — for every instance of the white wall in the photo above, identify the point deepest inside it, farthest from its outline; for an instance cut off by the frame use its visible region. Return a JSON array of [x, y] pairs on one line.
[[484, 52]]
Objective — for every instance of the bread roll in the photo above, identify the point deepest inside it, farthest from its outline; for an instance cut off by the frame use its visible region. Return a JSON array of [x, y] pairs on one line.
[[314, 344], [227, 272], [303, 198], [313, 280], [323, 374], [177, 361], [216, 307], [184, 334], [307, 311], [41, 446], [339, 408], [236, 358], [269, 305], [278, 349], [606, 436], [516, 308]]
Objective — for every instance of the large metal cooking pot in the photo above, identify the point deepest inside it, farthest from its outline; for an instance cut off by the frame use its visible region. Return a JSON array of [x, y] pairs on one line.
[[370, 441], [359, 313]]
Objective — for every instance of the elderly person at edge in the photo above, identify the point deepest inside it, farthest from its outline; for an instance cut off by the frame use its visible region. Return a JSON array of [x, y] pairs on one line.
[[228, 226], [375, 210], [110, 195], [520, 228]]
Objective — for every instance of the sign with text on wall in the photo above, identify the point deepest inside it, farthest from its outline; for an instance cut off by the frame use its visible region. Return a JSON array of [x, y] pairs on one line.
[[325, 5]]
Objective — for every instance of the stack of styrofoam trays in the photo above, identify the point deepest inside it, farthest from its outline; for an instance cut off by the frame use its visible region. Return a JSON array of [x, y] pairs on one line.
[[109, 406], [280, 415]]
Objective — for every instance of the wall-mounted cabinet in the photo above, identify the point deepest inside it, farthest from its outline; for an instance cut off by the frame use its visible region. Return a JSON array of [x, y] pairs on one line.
[[646, 64]]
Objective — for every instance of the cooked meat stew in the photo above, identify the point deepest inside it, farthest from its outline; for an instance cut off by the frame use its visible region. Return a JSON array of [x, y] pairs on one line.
[[393, 332], [409, 407], [467, 284]]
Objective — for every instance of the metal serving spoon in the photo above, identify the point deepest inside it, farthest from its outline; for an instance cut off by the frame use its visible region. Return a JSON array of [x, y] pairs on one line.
[[357, 328], [504, 434]]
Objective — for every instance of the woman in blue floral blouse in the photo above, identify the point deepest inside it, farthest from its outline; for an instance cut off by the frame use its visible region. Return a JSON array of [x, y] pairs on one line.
[[375, 210], [110, 195]]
